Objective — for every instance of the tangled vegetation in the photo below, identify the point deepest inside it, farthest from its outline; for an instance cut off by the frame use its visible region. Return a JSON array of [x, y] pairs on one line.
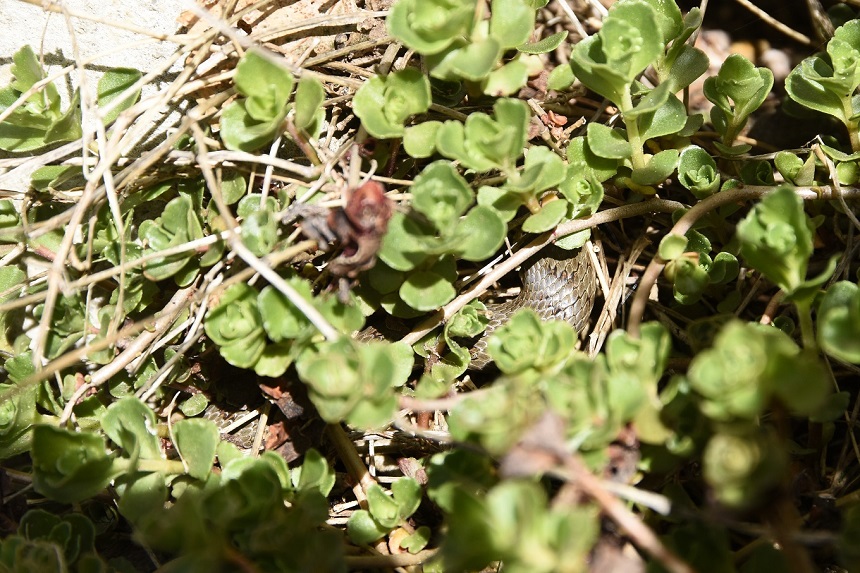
[[150, 286]]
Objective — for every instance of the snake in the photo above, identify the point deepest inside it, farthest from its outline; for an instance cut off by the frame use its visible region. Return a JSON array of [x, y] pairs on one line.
[[556, 284]]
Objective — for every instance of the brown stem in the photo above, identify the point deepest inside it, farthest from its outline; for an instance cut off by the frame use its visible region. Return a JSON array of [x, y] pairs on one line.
[[355, 467], [615, 509], [399, 560], [699, 210]]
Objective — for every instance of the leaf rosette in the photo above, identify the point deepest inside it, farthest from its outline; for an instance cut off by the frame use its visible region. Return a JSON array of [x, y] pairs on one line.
[[354, 382], [178, 224], [743, 467], [776, 239], [430, 26], [74, 534], [528, 532], [419, 248], [40, 121], [385, 103], [441, 195], [484, 143], [697, 171], [738, 89], [827, 82], [70, 466], [498, 416], [250, 122], [609, 61], [765, 363], [236, 326], [595, 403], [384, 512], [833, 77], [17, 406], [526, 342]]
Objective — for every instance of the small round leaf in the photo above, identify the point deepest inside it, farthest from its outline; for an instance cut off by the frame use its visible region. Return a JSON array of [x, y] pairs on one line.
[[547, 218], [483, 232], [672, 247], [426, 291]]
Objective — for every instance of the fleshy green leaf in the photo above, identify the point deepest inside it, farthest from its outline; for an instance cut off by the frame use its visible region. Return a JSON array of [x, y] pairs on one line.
[[560, 78], [659, 168], [196, 440], [547, 218], [507, 80], [419, 140], [66, 127], [430, 26], [672, 247], [471, 62], [314, 474], [407, 493], [606, 142], [425, 291], [363, 529], [310, 96], [404, 245], [281, 319], [112, 85], [482, 232], [384, 509], [667, 119], [839, 322], [233, 187], [130, 424], [260, 232], [545, 45], [511, 22]]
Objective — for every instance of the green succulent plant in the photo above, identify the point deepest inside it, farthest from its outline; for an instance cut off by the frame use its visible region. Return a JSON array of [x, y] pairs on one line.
[[143, 283]]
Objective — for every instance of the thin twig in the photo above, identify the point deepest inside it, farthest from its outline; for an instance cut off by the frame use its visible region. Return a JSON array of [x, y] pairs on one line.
[[354, 466], [632, 525], [347, 51], [574, 20], [835, 185], [165, 318], [327, 20], [790, 32]]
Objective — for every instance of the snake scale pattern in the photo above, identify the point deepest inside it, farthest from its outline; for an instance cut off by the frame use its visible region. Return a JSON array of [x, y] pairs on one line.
[[558, 285]]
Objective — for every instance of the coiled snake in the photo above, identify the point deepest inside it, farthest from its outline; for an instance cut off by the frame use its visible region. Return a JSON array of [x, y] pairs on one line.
[[557, 284]]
